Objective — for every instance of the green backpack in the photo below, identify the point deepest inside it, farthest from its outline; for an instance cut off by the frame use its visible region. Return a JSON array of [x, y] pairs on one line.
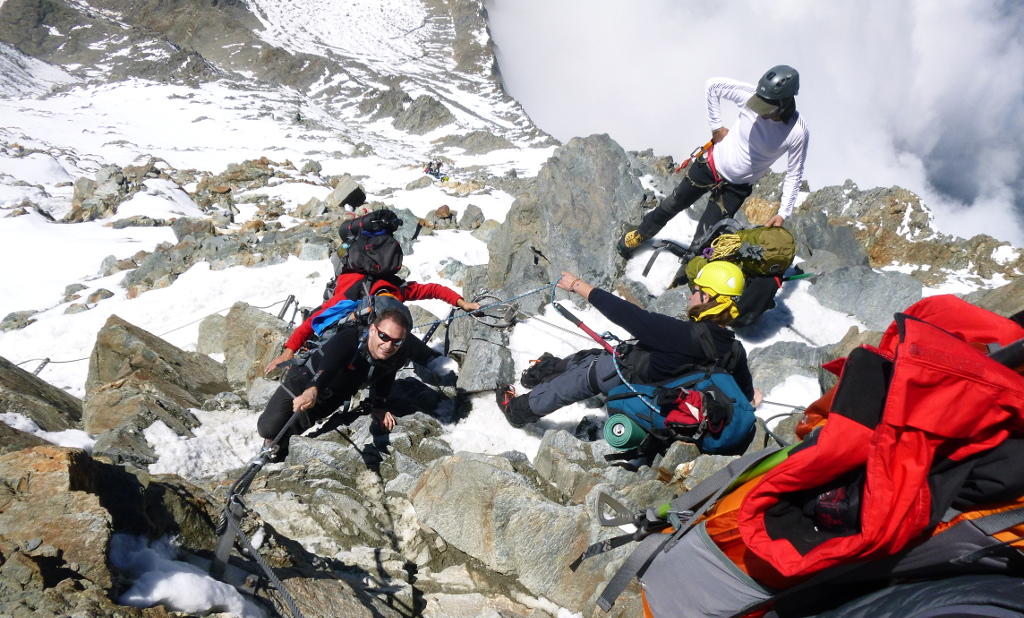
[[759, 251]]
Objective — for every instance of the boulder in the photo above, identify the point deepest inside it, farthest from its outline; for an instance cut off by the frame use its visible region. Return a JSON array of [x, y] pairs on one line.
[[472, 218], [197, 228], [17, 320], [477, 142], [481, 506], [252, 339], [813, 231], [51, 408], [420, 183], [212, 333], [870, 296], [347, 192], [423, 115], [573, 466], [487, 357], [58, 515], [771, 365], [52, 500], [134, 373], [12, 439], [534, 245]]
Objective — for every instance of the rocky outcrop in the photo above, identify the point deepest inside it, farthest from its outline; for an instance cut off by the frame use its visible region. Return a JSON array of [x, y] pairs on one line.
[[893, 227], [534, 244], [98, 198], [1006, 300], [252, 338], [51, 408], [870, 296], [423, 115], [135, 379]]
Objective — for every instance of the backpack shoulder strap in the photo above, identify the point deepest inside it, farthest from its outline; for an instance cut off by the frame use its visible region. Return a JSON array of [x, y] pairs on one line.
[[702, 334]]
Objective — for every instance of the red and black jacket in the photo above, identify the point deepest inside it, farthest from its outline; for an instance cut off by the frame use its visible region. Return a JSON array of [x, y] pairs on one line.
[[349, 286]]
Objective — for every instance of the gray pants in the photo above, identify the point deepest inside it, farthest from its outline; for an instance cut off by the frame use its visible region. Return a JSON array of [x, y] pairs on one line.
[[581, 380]]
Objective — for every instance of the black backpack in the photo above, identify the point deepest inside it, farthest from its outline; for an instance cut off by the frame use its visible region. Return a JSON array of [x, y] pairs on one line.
[[376, 255], [372, 248]]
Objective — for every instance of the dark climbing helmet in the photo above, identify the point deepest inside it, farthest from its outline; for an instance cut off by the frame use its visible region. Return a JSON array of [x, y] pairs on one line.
[[778, 83]]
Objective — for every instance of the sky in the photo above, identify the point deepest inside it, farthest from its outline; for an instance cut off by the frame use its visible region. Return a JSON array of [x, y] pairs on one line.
[[921, 94]]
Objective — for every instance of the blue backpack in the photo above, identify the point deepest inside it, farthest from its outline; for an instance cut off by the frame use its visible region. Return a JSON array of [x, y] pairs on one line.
[[703, 405], [355, 313]]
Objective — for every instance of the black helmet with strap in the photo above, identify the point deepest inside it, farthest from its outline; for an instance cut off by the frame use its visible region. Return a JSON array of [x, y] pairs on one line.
[[779, 83]]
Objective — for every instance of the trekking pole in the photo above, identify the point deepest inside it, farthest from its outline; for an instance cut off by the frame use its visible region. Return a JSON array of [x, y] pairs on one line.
[[593, 335], [284, 309], [433, 328], [699, 151], [800, 276]]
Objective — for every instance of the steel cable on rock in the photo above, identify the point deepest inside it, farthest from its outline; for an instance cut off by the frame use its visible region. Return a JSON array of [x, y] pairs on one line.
[[475, 312], [48, 361]]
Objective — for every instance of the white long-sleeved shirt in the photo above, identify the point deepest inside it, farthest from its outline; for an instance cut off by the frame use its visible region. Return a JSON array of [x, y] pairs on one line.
[[754, 143]]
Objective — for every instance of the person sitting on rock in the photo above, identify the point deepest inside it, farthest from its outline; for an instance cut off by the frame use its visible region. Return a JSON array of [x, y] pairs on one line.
[[666, 347], [353, 358]]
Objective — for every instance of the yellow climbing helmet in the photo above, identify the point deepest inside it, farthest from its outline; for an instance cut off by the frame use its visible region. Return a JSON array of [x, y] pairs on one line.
[[723, 281], [721, 277]]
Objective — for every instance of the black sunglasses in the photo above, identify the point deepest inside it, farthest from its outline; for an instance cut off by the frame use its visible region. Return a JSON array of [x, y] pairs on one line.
[[386, 338]]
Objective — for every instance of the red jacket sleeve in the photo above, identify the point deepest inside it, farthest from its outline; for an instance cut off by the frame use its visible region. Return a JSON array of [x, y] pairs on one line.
[[423, 291]]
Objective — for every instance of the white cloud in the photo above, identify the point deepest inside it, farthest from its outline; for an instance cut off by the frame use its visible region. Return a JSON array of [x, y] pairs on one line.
[[925, 95]]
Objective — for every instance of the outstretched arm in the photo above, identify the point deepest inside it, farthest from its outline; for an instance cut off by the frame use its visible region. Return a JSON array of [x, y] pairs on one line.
[[718, 88]]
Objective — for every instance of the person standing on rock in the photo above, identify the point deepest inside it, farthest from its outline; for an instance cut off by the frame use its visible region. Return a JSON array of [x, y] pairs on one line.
[[666, 347], [767, 128], [353, 358]]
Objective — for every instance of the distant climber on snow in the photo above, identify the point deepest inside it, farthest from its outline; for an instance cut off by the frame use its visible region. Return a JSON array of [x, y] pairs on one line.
[[433, 168], [768, 127], [666, 347]]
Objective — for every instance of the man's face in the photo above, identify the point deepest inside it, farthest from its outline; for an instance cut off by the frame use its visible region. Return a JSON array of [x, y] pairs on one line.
[[385, 339], [697, 297]]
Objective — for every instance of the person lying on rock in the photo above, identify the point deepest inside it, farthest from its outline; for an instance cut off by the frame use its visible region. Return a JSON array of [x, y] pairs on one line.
[[666, 347], [353, 358]]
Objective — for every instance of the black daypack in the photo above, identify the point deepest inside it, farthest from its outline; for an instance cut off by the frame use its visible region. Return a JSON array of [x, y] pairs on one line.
[[369, 247], [372, 247], [376, 255]]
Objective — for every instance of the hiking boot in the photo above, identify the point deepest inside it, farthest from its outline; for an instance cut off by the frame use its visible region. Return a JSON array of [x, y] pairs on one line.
[[516, 409], [630, 242], [541, 370]]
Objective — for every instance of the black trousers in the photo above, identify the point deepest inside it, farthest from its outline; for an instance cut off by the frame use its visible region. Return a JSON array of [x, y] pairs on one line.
[[279, 408], [726, 198]]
